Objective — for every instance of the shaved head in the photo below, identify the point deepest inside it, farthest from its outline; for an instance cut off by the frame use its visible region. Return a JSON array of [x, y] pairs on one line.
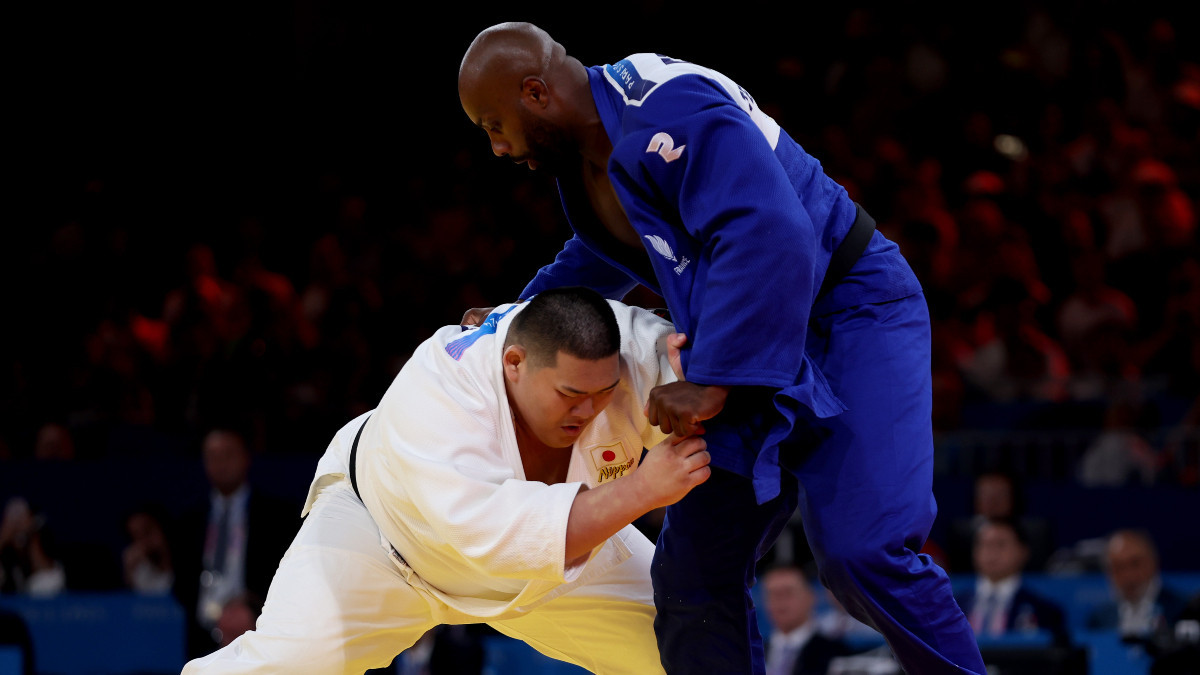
[[509, 52], [533, 100]]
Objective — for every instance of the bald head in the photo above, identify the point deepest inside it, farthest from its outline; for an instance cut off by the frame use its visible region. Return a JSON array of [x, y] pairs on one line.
[[509, 52], [1132, 562], [533, 100]]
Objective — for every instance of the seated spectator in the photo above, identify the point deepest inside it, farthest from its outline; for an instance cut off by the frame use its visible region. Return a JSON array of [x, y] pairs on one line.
[[1121, 453], [147, 558], [1014, 360], [1142, 606], [229, 542], [1000, 604], [27, 559], [996, 495], [795, 647], [1095, 323], [54, 443]]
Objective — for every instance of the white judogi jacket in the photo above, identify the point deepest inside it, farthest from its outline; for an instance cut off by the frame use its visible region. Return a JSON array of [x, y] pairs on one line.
[[439, 470]]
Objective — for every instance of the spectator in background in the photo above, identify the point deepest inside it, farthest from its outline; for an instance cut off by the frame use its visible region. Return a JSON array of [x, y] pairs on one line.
[[231, 543], [147, 558], [1141, 606], [1014, 360], [54, 443], [1095, 323], [795, 646], [1000, 604], [997, 494], [28, 562], [1122, 454]]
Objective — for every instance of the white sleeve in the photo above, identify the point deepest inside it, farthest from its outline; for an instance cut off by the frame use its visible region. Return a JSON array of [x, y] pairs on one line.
[[644, 351]]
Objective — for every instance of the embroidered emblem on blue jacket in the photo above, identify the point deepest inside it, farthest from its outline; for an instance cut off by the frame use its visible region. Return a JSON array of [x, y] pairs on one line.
[[631, 82], [664, 249]]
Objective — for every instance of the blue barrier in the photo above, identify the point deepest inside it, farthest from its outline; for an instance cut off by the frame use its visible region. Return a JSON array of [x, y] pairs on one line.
[[11, 661], [1108, 655], [507, 656], [120, 632], [103, 633]]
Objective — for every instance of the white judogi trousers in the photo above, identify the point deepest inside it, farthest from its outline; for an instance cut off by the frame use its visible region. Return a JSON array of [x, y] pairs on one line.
[[339, 603]]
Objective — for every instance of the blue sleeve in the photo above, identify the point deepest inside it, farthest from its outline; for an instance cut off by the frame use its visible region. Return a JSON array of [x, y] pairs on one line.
[[750, 303], [577, 265]]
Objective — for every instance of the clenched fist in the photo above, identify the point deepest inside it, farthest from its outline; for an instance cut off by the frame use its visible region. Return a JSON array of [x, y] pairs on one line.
[[680, 407]]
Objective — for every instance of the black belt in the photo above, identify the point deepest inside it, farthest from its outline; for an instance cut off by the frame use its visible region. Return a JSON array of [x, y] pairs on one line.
[[848, 252], [354, 456]]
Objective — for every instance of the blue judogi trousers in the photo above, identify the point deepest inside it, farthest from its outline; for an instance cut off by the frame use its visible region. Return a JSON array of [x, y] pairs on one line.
[[863, 482]]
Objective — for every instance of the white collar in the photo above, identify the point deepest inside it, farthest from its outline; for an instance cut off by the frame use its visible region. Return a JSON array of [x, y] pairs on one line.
[[1149, 596], [233, 501], [1003, 589], [797, 637]]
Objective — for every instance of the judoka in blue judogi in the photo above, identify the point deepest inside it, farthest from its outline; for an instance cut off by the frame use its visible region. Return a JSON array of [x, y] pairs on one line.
[[808, 364]]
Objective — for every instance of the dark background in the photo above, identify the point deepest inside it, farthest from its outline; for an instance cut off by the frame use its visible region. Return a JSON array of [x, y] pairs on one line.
[[316, 154]]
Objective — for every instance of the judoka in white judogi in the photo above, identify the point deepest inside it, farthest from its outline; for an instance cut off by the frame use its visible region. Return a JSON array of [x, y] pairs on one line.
[[449, 528]]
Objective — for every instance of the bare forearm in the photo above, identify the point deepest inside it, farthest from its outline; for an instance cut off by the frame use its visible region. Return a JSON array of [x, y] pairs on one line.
[[669, 470], [601, 512]]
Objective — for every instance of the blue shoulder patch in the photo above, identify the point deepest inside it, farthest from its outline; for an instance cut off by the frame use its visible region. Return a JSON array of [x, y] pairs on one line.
[[455, 348]]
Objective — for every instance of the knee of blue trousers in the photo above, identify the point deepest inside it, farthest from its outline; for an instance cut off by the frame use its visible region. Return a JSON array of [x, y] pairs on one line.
[[858, 574]]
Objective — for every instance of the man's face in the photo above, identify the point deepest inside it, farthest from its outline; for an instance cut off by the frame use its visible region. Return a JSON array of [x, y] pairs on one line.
[[789, 599], [517, 129], [998, 553], [1131, 566], [226, 461], [993, 496], [556, 402]]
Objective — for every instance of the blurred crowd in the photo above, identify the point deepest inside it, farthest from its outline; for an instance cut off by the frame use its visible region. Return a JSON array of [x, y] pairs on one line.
[[1038, 167], [1040, 178]]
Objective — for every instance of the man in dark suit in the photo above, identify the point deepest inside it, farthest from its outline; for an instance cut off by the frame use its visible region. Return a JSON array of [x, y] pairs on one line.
[[229, 544], [794, 646], [1000, 604], [1142, 606]]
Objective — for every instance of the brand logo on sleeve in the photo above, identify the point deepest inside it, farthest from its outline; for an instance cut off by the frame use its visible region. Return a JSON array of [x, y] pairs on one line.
[[611, 461], [664, 249], [664, 145]]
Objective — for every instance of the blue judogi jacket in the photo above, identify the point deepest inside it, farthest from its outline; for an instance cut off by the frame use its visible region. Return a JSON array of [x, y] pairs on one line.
[[739, 224]]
